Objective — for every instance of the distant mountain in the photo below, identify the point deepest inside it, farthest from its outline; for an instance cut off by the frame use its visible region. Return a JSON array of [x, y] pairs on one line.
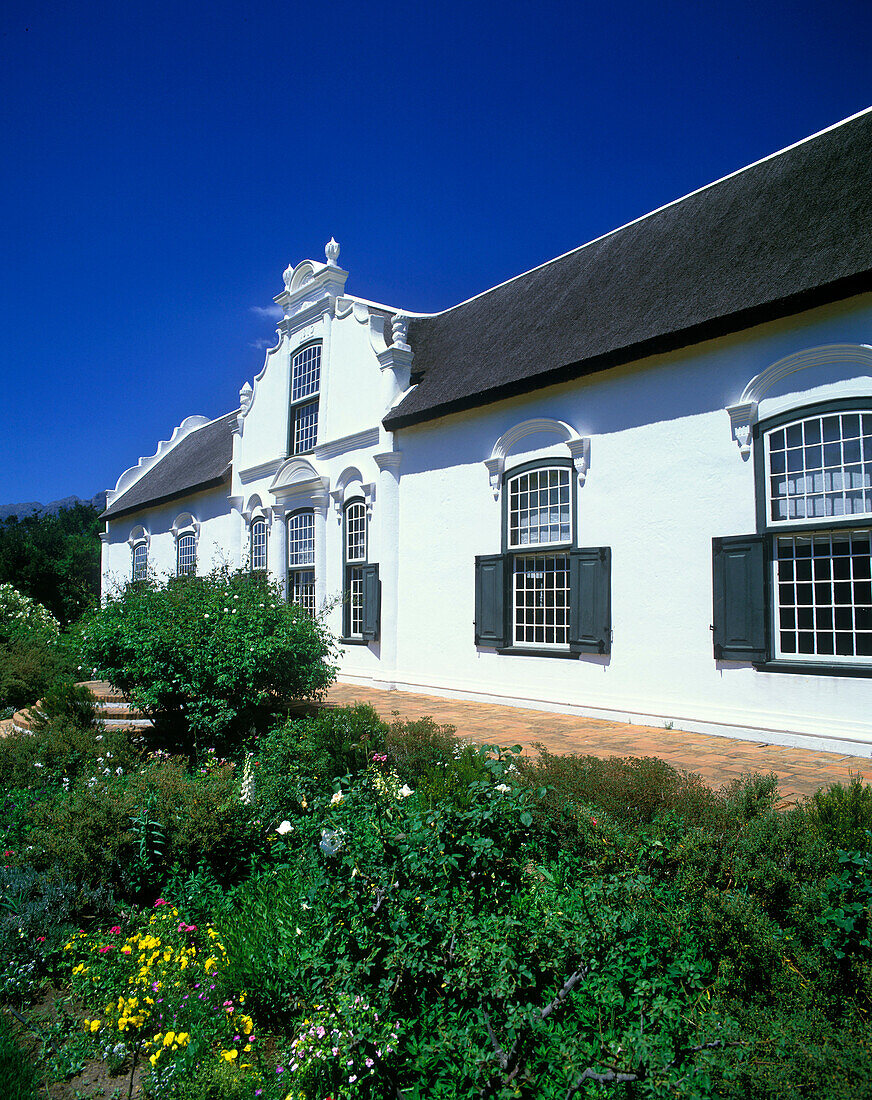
[[33, 507]]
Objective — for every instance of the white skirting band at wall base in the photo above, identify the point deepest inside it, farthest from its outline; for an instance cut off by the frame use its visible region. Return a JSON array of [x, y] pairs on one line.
[[852, 739]]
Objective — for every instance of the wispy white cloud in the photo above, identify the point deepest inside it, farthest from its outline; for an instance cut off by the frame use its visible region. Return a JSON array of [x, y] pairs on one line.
[[259, 345], [274, 313]]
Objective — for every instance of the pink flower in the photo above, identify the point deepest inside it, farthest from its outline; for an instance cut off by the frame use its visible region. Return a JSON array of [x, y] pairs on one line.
[[160, 901], [115, 930], [40, 939], [594, 820], [103, 950]]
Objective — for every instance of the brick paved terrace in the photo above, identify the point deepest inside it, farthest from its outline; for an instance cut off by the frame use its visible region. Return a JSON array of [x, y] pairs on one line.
[[717, 759]]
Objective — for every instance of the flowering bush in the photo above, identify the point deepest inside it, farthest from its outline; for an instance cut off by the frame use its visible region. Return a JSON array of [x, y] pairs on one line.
[[22, 618], [31, 658], [156, 994]]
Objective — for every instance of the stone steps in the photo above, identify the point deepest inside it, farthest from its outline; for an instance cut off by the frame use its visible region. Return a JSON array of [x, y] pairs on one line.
[[113, 710]]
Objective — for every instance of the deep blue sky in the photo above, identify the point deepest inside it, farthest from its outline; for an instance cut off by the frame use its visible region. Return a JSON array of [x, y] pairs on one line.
[[161, 164]]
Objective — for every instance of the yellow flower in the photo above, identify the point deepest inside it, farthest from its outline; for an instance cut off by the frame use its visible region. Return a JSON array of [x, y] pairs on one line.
[[182, 1037], [169, 1038], [154, 1057], [229, 1055], [95, 1025]]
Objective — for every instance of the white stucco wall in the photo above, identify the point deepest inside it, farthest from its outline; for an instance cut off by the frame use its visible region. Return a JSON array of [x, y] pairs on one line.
[[666, 476], [218, 536]]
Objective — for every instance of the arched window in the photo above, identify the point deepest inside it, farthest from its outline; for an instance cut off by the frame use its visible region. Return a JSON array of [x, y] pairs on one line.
[[186, 555], [140, 561], [539, 536], [799, 591], [305, 387], [301, 559], [257, 535], [355, 560], [543, 595]]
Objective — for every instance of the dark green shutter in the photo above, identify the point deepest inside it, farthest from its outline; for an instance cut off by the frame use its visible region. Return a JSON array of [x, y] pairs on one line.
[[371, 602], [490, 587], [739, 603], [590, 594]]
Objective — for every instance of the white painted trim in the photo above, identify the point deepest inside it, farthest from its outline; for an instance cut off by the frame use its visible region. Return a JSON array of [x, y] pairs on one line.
[[578, 447], [357, 441], [743, 414], [264, 469], [131, 476]]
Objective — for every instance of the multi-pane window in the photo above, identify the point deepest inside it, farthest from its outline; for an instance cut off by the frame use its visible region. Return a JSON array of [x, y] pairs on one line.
[[305, 387], [355, 560], [539, 514], [821, 467], [301, 560], [258, 544], [543, 594], [539, 508], [140, 561], [186, 555], [824, 595], [541, 600], [818, 476]]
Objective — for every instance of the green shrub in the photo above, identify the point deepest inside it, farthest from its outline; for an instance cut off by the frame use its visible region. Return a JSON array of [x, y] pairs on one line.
[[133, 831], [28, 669], [843, 814], [68, 704], [59, 753], [750, 796], [207, 657], [632, 789]]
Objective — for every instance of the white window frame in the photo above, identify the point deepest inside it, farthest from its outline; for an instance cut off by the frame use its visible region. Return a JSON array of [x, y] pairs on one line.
[[257, 552], [305, 388], [190, 567], [139, 570], [355, 550], [301, 559], [545, 560], [807, 604]]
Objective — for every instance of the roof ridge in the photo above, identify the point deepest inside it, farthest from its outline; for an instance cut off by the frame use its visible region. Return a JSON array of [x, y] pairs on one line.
[[651, 213]]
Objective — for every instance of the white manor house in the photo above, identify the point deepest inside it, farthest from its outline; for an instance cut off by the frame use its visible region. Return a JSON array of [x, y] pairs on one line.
[[633, 483]]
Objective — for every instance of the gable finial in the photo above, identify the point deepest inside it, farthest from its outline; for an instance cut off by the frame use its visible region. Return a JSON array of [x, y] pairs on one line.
[[331, 251], [287, 275]]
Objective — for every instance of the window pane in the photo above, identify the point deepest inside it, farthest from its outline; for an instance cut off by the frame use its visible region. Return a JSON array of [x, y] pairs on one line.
[[832, 615], [140, 561], [305, 427], [258, 544], [306, 372], [832, 479], [541, 600], [355, 532], [187, 555], [301, 589], [539, 507], [301, 539], [355, 600]]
